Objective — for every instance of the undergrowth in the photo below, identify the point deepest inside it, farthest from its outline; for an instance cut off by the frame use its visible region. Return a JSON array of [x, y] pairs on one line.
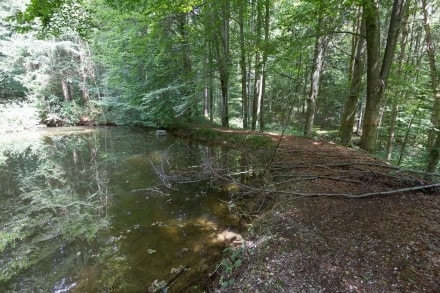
[[238, 139]]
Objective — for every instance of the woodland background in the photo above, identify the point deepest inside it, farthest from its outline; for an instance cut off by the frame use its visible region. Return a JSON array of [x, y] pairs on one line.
[[362, 73]]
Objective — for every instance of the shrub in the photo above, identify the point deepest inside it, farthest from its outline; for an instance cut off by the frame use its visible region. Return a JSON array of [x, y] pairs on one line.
[[18, 116]]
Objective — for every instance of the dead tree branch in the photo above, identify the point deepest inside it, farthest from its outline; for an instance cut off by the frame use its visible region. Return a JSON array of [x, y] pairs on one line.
[[358, 196]]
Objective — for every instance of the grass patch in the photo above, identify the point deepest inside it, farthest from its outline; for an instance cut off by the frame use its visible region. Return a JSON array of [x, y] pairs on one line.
[[256, 141], [208, 134], [234, 138]]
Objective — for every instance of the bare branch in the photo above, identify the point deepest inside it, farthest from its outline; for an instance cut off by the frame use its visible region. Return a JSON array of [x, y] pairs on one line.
[[359, 196]]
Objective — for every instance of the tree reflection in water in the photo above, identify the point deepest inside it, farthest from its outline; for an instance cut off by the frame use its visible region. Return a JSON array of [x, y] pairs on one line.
[[85, 211]]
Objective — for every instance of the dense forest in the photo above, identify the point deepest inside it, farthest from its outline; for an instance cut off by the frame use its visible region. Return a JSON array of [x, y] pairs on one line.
[[362, 73], [304, 154]]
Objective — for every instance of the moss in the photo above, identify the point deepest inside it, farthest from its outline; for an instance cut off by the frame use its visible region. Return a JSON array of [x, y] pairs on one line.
[[207, 133], [233, 138], [259, 141]]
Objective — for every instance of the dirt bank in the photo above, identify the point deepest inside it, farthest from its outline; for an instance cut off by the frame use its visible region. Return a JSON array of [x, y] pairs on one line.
[[329, 218]]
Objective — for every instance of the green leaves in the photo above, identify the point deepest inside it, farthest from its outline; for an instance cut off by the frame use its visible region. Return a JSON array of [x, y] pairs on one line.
[[55, 17]]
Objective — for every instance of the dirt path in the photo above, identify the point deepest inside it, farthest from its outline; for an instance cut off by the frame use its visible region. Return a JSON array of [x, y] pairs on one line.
[[308, 234]]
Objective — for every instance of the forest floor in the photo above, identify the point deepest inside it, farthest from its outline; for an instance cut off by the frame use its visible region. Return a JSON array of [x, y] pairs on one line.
[[332, 219]]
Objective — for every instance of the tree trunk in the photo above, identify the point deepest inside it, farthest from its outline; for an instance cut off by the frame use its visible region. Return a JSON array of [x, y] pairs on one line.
[[85, 57], [408, 131], [257, 70], [243, 69], [210, 83], [377, 72], [315, 78], [434, 142], [433, 158], [264, 63], [186, 75], [65, 88], [351, 105], [223, 56], [319, 53], [397, 99], [71, 90], [392, 129]]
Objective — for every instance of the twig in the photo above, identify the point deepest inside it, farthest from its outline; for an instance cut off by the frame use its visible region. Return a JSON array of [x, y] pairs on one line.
[[216, 269], [272, 158], [313, 177], [180, 272]]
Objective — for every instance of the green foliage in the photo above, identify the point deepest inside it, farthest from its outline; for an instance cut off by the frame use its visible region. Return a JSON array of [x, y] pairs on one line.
[[207, 133], [56, 17], [157, 62], [162, 106], [18, 116], [256, 141], [231, 262], [111, 110], [56, 112], [238, 139]]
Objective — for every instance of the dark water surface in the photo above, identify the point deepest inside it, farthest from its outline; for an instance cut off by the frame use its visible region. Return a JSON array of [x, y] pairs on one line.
[[84, 210]]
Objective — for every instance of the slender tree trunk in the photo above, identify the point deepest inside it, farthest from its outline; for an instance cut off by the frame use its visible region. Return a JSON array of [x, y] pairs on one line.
[[223, 56], [206, 101], [434, 141], [207, 89], [257, 70], [71, 90], [243, 69], [397, 99], [315, 78], [224, 80], [186, 64], [377, 71], [210, 83], [211, 101], [250, 84], [361, 110], [408, 131], [264, 63], [85, 67], [392, 129], [65, 87], [351, 105], [318, 63]]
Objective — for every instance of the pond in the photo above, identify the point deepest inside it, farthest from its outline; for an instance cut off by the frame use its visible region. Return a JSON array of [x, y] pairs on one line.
[[97, 210]]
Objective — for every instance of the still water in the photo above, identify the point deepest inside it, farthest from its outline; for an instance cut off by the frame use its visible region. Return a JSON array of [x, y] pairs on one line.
[[96, 210]]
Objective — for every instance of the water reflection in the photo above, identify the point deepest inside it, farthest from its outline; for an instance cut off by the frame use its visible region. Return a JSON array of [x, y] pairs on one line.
[[85, 211]]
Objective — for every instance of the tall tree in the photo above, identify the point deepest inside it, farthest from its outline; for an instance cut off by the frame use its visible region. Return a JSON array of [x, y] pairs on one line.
[[434, 146], [377, 70], [222, 14], [318, 63], [243, 68], [257, 90], [264, 63], [351, 105], [397, 98]]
